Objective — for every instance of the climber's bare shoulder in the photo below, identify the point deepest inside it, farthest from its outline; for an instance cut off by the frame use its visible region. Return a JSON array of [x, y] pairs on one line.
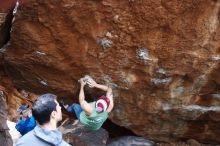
[[87, 107]]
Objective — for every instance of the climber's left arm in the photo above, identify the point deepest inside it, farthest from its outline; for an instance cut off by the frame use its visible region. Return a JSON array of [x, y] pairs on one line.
[[110, 97]]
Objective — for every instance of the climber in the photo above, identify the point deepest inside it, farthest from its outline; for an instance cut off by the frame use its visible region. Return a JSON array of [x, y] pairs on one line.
[[26, 122], [93, 114]]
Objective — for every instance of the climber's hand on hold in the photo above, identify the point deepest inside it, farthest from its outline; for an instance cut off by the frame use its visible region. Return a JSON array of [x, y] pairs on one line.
[[91, 83], [82, 82]]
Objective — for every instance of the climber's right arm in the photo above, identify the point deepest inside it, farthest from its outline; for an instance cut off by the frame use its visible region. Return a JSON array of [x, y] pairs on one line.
[[83, 103]]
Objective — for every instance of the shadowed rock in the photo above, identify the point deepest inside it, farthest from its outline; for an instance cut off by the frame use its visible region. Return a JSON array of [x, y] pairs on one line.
[[160, 56], [5, 138], [77, 134], [131, 141]]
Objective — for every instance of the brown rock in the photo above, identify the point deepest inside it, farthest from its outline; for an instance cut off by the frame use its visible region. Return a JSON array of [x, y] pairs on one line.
[[162, 60], [5, 27], [131, 141], [5, 137], [77, 134], [9, 4], [193, 142]]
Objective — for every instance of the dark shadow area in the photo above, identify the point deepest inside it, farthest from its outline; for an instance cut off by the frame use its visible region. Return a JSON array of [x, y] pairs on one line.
[[6, 28], [116, 131]]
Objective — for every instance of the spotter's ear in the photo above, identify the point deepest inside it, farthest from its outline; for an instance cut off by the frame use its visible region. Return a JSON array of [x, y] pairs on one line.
[[53, 114]]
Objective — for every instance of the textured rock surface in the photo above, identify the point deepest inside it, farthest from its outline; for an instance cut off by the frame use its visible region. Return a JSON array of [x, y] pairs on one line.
[[131, 140], [5, 137], [3, 14], [5, 20], [161, 57], [77, 134]]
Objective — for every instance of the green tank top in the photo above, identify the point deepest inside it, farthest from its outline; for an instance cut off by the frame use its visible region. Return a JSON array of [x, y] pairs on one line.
[[95, 120]]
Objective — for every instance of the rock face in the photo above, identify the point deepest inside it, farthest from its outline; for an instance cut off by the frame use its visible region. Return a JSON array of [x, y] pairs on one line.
[[131, 140], [5, 137], [77, 134], [6, 17], [161, 57]]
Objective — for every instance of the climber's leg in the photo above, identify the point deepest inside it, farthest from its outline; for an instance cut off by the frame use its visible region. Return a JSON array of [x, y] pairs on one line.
[[75, 108]]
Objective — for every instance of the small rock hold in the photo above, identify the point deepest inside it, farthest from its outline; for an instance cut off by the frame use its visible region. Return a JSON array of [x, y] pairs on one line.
[[161, 81], [40, 53], [116, 18], [161, 70], [131, 28], [215, 57], [44, 83], [108, 34], [105, 43], [193, 142], [142, 53], [106, 3]]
